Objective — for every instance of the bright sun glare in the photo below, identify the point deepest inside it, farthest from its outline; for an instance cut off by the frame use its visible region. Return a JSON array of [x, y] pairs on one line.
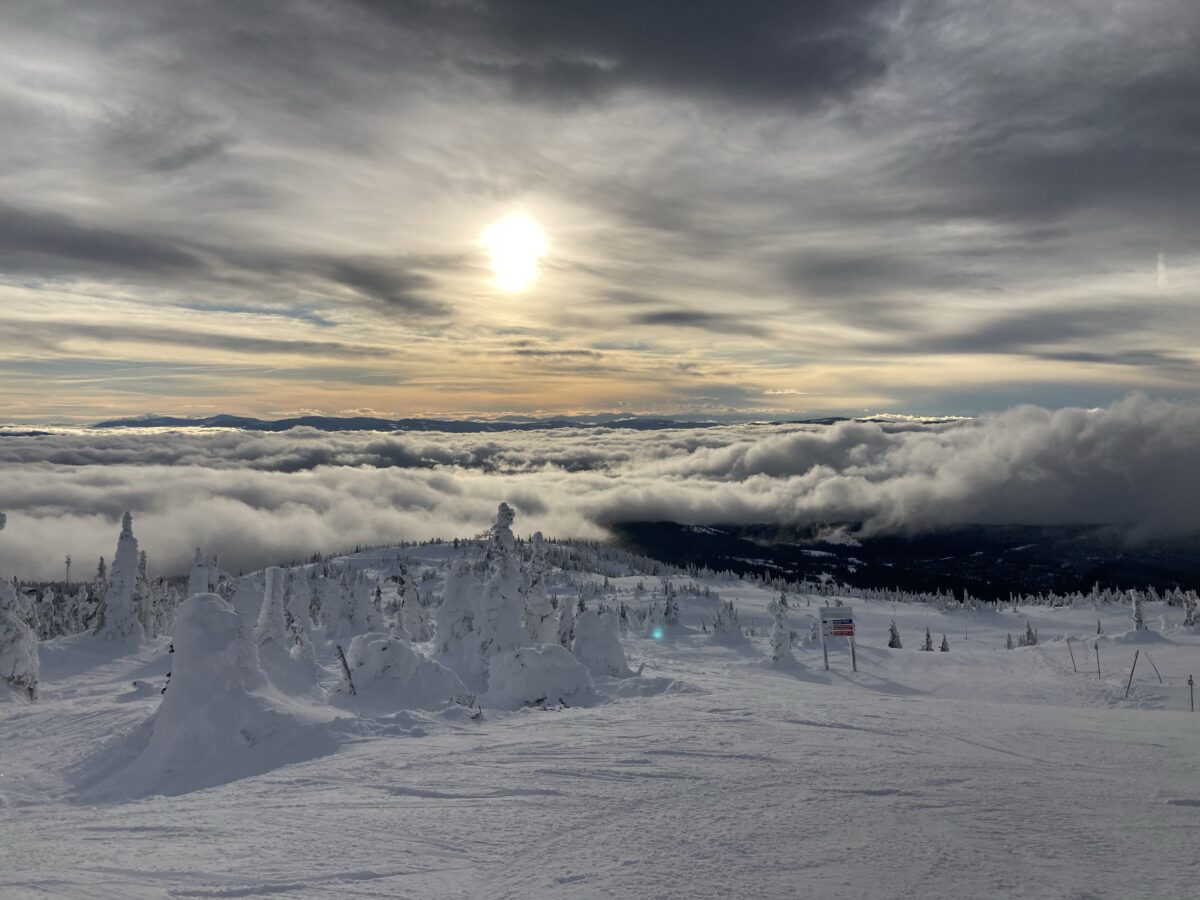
[[514, 245]]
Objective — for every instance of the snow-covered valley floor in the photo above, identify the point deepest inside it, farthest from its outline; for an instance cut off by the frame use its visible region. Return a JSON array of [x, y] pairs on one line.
[[981, 772]]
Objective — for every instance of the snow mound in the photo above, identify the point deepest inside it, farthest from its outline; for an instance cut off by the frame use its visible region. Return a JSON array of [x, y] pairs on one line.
[[1145, 636], [598, 645], [532, 676], [219, 719], [386, 671]]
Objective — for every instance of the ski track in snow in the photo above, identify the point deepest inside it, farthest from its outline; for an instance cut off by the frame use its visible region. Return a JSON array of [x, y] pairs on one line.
[[981, 772]]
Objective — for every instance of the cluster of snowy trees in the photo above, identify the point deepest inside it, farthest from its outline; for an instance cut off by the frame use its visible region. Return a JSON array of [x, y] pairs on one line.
[[120, 602], [946, 601]]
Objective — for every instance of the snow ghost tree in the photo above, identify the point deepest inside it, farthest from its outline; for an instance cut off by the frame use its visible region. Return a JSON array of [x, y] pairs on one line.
[[119, 613], [367, 616], [538, 620], [145, 597], [597, 644], [566, 623], [1189, 610], [670, 616], [18, 647], [457, 643], [498, 617], [271, 628], [894, 636], [1008, 645], [201, 580], [297, 614], [945, 647], [1139, 621], [386, 669], [781, 635], [928, 645], [726, 624]]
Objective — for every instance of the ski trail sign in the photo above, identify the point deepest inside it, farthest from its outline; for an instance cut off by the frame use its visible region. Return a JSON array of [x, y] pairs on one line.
[[838, 621]]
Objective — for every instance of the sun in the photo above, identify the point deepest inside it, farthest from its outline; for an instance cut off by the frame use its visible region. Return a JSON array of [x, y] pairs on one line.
[[514, 245]]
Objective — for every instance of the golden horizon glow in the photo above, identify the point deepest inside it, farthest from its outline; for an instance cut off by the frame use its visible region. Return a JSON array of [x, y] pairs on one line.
[[515, 244]]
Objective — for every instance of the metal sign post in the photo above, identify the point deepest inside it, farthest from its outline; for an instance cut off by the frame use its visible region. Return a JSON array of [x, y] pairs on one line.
[[838, 621]]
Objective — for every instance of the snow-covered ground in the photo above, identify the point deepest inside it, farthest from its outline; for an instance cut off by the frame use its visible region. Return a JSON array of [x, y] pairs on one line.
[[981, 772]]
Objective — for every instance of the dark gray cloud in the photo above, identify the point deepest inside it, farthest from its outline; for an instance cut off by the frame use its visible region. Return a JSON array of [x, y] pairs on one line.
[[705, 321], [50, 244], [771, 51], [51, 335]]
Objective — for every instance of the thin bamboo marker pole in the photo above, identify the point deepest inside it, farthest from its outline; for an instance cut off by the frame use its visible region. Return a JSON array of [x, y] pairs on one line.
[[1192, 691], [1072, 652], [1129, 684], [1156, 672], [1099, 677]]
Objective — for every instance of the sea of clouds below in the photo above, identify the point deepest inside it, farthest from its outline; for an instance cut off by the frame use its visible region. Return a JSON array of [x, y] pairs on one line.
[[255, 498]]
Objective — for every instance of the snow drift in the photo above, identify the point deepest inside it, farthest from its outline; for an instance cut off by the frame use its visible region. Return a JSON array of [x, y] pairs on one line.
[[386, 672], [219, 719]]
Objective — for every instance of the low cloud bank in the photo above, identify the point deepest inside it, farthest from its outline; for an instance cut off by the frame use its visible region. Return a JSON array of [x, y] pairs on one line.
[[257, 498]]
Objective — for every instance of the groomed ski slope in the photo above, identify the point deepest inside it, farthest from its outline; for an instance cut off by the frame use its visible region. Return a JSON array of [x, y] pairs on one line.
[[981, 772]]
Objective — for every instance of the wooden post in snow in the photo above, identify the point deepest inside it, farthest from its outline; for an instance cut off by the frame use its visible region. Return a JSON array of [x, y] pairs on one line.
[[1192, 691], [1129, 684], [1156, 672]]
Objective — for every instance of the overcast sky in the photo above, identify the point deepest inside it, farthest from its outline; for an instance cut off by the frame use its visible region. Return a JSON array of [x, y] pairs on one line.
[[816, 207]]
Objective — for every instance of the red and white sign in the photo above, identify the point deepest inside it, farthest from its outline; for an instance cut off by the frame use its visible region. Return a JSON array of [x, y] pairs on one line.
[[837, 621]]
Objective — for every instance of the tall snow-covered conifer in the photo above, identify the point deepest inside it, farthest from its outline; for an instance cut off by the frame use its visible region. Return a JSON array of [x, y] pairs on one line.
[[119, 614], [538, 621], [781, 634], [498, 618]]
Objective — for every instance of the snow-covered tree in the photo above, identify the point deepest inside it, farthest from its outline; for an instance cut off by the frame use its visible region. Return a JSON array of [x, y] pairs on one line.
[[271, 628], [781, 635], [1031, 638], [336, 607], [297, 614], [1009, 643], [145, 597], [498, 616], [538, 619], [457, 644], [1139, 621], [726, 624], [118, 618], [894, 636], [368, 617], [566, 623], [945, 647], [670, 616], [386, 669], [597, 644], [18, 646], [928, 645], [1190, 609], [200, 580]]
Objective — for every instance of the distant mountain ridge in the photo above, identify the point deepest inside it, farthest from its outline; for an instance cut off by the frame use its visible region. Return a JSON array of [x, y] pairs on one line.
[[470, 426], [368, 423]]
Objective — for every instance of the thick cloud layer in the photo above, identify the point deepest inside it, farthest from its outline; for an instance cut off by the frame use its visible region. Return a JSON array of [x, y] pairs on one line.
[[766, 206], [259, 498]]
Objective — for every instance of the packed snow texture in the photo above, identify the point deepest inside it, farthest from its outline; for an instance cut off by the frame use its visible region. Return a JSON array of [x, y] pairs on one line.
[[979, 771]]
